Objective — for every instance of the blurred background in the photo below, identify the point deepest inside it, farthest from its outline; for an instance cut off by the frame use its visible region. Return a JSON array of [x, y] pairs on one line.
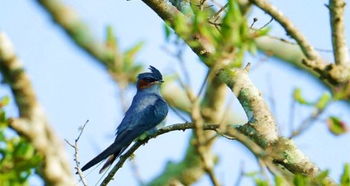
[[72, 87]]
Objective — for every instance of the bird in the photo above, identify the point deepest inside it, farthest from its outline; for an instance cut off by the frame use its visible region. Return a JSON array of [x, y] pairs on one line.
[[147, 110]]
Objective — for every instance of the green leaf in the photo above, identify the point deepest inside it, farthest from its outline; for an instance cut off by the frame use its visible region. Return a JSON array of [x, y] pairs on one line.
[[111, 41], [260, 182], [345, 177], [279, 181], [4, 101], [336, 126], [262, 32], [323, 101], [297, 95], [300, 180], [167, 32], [252, 48], [3, 119], [252, 174], [321, 177], [180, 25], [129, 56]]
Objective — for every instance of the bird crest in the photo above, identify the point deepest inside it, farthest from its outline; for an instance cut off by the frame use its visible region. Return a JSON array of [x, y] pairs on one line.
[[154, 75]]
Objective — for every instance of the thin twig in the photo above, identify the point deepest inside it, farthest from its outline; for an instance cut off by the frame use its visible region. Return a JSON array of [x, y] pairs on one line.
[[204, 82], [241, 174], [254, 21], [312, 56], [306, 123], [292, 110], [201, 5], [180, 58], [263, 171], [33, 123], [76, 155], [178, 55], [229, 131], [266, 24], [136, 172], [271, 96], [178, 114], [200, 142], [216, 16]]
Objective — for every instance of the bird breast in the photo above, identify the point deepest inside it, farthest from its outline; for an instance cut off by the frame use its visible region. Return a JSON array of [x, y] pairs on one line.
[[145, 101]]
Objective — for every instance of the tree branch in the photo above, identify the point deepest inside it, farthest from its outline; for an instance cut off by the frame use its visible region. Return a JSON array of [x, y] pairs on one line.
[[313, 58], [337, 77], [168, 12], [229, 131], [271, 155], [76, 155], [33, 123], [337, 19], [281, 151], [259, 116], [262, 128], [78, 31]]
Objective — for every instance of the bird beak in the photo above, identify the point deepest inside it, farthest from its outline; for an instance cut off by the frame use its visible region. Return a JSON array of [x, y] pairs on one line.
[[157, 82]]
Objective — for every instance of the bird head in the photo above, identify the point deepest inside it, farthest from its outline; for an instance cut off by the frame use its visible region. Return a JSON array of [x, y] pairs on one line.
[[149, 80]]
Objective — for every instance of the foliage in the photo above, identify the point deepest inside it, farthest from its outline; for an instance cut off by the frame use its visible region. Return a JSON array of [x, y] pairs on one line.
[[18, 158], [345, 178], [300, 180], [336, 126], [123, 65], [228, 36]]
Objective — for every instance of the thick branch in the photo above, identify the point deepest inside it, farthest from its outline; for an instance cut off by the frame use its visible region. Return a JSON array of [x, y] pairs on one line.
[[168, 13], [262, 128], [283, 152], [314, 60], [337, 19], [78, 31], [229, 131], [258, 114], [33, 123], [283, 50]]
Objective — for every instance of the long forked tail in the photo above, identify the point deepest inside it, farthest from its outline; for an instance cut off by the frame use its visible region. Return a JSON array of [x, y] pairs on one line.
[[108, 163], [112, 149]]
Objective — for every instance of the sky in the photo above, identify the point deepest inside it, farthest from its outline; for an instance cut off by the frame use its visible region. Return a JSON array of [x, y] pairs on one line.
[[73, 88]]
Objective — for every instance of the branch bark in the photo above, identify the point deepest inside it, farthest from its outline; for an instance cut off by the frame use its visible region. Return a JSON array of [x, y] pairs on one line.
[[335, 76], [229, 131], [337, 19], [283, 152], [257, 132], [262, 128], [313, 60], [78, 31], [33, 123]]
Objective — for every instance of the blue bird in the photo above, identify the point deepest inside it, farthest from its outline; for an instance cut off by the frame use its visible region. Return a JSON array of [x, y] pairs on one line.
[[147, 110]]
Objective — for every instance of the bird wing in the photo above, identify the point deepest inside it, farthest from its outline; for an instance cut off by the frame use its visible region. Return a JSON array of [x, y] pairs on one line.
[[142, 115]]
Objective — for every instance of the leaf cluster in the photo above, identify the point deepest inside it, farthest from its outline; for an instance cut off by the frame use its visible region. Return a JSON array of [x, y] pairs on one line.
[[18, 158], [228, 35]]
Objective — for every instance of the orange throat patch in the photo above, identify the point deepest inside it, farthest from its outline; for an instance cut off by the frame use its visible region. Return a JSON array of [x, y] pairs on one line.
[[142, 84]]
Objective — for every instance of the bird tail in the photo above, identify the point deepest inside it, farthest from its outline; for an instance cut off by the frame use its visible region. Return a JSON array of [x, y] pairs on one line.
[[108, 163], [113, 149]]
